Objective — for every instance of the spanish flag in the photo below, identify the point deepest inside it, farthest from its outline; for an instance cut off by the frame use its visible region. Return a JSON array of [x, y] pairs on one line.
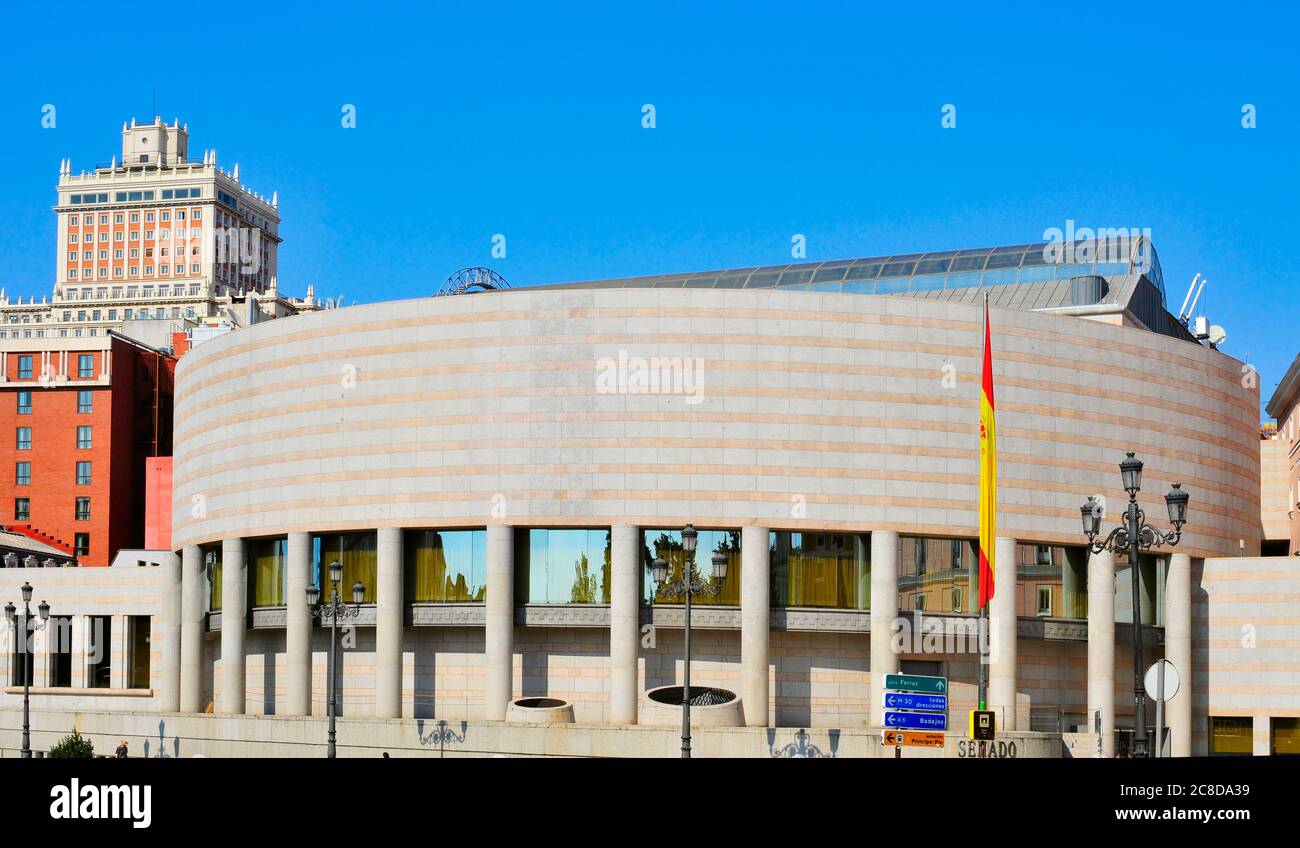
[[988, 472]]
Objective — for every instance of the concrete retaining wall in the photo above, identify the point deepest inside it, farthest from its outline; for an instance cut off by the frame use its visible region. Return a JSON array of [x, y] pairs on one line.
[[184, 735]]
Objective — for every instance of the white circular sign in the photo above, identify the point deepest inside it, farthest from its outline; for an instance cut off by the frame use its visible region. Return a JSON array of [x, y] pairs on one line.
[[1171, 679]]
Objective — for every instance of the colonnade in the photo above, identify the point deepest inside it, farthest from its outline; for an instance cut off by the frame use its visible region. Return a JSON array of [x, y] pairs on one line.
[[185, 688]]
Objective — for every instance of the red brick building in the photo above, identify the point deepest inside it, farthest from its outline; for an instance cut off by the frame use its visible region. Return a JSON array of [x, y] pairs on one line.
[[78, 419]]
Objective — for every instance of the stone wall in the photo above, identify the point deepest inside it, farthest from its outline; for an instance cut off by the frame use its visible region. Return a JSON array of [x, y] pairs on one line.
[[186, 735]]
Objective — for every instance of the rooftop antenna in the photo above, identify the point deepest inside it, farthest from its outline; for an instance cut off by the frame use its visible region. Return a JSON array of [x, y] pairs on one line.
[[1192, 308], [1182, 313]]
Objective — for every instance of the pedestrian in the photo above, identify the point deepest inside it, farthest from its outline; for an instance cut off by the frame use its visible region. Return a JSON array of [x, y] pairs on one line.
[[122, 750]]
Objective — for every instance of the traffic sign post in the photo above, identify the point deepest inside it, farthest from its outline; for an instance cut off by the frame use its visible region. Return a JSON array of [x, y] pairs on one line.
[[916, 721], [916, 683], [909, 701], [914, 703], [912, 738], [1161, 682]]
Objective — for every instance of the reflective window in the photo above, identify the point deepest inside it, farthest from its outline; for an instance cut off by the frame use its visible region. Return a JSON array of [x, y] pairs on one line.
[[1054, 581], [99, 671], [212, 567], [667, 544], [562, 566], [1231, 736], [267, 572], [1285, 736], [929, 570], [1151, 584], [356, 552], [139, 651], [820, 570], [445, 566]]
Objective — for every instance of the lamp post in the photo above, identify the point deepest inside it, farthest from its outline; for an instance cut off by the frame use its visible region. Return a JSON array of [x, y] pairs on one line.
[[11, 615], [1130, 538], [334, 609], [689, 584]]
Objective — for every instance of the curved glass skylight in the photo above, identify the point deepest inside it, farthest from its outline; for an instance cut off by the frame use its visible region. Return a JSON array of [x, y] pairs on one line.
[[948, 269]]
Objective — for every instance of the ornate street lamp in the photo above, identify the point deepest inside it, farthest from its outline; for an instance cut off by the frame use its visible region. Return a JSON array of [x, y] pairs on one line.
[[334, 609], [690, 584], [29, 626], [1130, 538]]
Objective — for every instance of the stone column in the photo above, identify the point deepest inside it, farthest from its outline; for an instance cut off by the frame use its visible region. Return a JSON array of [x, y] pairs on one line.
[[40, 651], [168, 635], [119, 651], [81, 625], [192, 619], [499, 639], [298, 626], [388, 624], [1003, 636], [624, 622], [1178, 650], [755, 622], [1261, 738], [884, 609], [234, 615], [1101, 647]]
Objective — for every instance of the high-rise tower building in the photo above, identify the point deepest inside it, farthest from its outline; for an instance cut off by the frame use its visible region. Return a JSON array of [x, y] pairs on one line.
[[155, 235]]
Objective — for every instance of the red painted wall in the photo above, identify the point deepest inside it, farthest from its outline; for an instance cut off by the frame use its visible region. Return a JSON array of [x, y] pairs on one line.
[[158, 503]]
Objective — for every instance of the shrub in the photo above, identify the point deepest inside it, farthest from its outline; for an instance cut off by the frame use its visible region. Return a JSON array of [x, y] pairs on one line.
[[73, 747]]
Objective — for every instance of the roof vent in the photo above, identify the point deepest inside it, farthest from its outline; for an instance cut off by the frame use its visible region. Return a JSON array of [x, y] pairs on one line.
[[1087, 290]]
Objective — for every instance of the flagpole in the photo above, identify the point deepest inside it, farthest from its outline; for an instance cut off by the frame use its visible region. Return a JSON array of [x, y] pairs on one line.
[[984, 684], [981, 640]]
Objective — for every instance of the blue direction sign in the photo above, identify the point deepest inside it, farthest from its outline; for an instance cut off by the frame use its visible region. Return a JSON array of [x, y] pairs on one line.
[[914, 701], [916, 721], [916, 683]]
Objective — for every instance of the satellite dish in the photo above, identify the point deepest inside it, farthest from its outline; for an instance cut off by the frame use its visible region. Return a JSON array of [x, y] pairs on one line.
[[1217, 335]]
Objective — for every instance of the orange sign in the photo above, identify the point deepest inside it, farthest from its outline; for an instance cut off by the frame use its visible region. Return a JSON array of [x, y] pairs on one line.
[[913, 738]]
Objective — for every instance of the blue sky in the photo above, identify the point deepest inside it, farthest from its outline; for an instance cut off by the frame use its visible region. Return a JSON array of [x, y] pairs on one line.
[[772, 119]]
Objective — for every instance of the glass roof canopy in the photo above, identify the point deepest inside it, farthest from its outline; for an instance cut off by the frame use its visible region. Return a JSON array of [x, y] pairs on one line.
[[948, 269]]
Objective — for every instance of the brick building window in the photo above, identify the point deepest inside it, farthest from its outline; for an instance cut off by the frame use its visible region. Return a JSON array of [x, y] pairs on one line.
[[83, 509], [81, 543], [83, 474], [23, 473], [22, 509], [85, 400], [24, 403], [24, 438], [24, 368], [86, 365], [83, 438]]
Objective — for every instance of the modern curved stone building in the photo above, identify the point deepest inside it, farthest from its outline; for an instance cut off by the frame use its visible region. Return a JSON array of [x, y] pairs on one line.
[[498, 468]]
